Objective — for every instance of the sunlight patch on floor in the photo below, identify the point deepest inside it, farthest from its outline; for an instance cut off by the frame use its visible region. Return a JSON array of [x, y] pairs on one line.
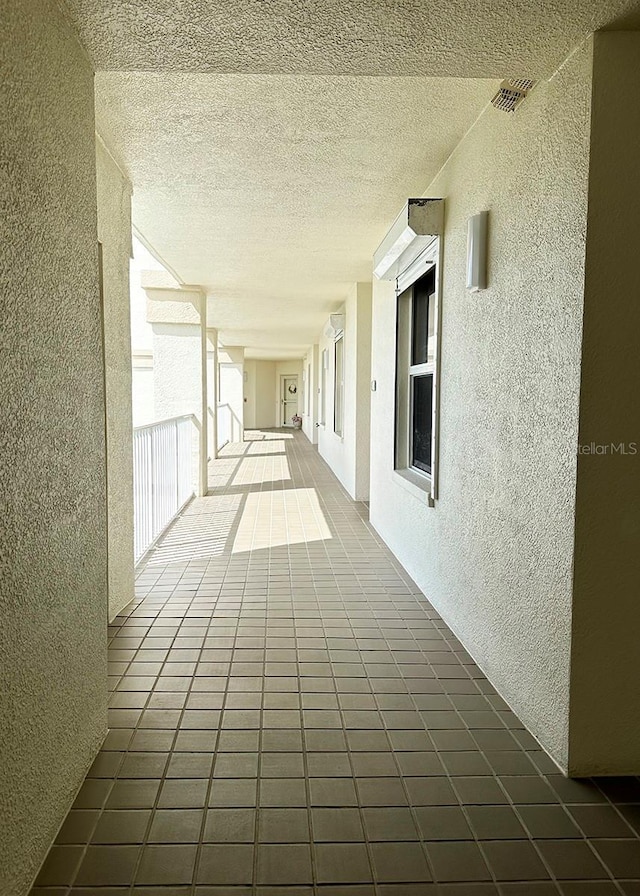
[[277, 518], [221, 471], [201, 531], [259, 435], [258, 470], [277, 446]]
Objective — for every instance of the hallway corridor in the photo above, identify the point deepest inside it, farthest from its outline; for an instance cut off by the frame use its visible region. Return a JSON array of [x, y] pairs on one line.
[[290, 717]]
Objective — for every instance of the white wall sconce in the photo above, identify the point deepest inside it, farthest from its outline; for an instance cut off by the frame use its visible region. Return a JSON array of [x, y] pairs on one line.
[[477, 252]]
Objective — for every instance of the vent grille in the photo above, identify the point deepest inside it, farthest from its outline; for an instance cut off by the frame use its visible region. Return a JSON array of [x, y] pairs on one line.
[[511, 93]]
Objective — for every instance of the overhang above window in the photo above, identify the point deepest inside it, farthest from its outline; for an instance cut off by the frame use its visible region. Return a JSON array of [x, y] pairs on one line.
[[416, 228]]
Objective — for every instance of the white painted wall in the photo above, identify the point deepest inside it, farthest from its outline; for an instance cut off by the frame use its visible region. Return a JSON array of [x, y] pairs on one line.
[[53, 531], [605, 691], [177, 370], [114, 233], [250, 393], [265, 386], [259, 388], [310, 365], [141, 261], [231, 405], [348, 455], [143, 406], [360, 391], [179, 353], [495, 555], [141, 334], [212, 392]]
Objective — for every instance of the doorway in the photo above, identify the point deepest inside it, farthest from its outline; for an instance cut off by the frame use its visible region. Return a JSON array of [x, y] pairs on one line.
[[288, 398]]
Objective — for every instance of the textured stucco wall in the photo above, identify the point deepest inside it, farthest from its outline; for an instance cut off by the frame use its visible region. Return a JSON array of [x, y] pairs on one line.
[[311, 363], [605, 692], [348, 456], [362, 443], [114, 233], [53, 550], [335, 449], [142, 392], [178, 318], [212, 392], [259, 409], [495, 555], [265, 384], [231, 374], [177, 370], [178, 385], [250, 393]]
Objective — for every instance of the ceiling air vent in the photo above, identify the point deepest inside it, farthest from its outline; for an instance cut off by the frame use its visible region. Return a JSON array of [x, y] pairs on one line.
[[511, 93]]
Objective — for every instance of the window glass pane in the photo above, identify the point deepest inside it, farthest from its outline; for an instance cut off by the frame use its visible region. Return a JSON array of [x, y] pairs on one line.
[[421, 407], [423, 320], [338, 403]]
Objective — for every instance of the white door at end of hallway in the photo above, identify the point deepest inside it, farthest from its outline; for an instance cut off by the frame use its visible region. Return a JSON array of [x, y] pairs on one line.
[[288, 399]]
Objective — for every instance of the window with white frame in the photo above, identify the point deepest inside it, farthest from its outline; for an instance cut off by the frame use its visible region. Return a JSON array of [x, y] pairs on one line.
[[338, 385], [416, 384]]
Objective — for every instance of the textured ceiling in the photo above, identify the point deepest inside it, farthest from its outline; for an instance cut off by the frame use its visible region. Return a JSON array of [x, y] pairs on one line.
[[271, 142], [458, 38], [272, 192]]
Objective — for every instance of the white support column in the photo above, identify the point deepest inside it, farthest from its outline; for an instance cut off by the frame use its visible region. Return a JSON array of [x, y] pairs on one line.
[[178, 318]]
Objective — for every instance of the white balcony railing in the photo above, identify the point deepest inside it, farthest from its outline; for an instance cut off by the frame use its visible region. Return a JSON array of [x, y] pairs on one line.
[[162, 477]]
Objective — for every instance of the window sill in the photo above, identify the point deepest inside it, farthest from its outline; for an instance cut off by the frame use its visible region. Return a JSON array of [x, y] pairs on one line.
[[417, 485]]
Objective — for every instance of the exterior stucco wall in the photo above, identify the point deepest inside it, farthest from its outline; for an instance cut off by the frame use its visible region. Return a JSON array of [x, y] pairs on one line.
[[142, 390], [212, 392], [177, 370], [605, 696], [114, 233], [362, 387], [259, 386], [348, 456], [53, 548], [335, 449], [495, 554], [179, 387], [250, 393], [311, 365], [265, 382], [231, 410]]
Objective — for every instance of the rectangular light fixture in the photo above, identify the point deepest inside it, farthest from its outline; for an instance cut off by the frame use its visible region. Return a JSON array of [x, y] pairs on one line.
[[477, 252]]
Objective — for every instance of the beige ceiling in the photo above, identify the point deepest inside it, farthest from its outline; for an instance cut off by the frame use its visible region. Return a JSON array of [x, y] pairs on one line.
[[271, 142], [272, 192], [458, 38]]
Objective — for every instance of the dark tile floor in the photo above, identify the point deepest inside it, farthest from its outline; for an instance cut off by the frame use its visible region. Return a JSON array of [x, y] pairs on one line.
[[289, 715]]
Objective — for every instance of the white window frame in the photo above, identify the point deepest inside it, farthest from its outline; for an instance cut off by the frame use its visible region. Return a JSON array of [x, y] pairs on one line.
[[419, 481]]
